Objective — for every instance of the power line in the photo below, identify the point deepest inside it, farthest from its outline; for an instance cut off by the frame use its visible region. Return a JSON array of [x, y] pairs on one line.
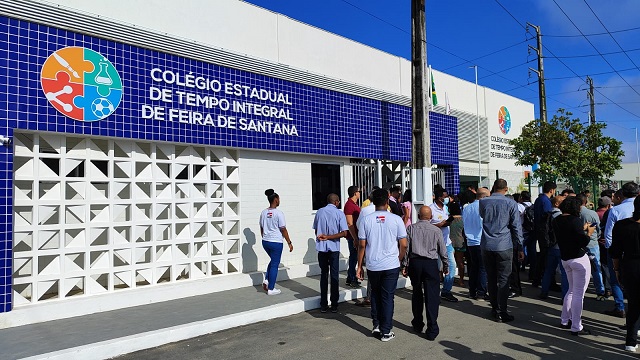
[[507, 69], [614, 87], [595, 48], [592, 55], [489, 54], [594, 34], [564, 64], [377, 17], [611, 35], [434, 45], [591, 74]]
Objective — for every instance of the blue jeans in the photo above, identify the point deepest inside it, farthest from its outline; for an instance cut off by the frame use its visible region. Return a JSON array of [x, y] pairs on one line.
[[274, 250], [595, 269], [553, 260], [353, 261], [616, 290], [383, 287], [448, 279], [329, 264]]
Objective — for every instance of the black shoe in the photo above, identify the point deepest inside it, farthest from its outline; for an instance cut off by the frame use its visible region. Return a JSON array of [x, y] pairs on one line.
[[616, 313], [449, 297], [474, 297], [353, 284], [324, 309], [486, 297], [431, 337], [513, 294], [418, 329], [334, 309], [581, 332], [503, 317], [568, 326]]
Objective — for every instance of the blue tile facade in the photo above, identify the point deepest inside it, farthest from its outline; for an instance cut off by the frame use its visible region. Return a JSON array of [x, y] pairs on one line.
[[443, 130], [323, 119]]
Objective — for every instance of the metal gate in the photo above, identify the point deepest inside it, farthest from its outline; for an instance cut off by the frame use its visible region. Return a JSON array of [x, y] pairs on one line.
[[365, 175], [437, 176]]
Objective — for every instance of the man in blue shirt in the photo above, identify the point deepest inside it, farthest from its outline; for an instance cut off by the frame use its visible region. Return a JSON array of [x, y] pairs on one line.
[[330, 225], [537, 264], [384, 237], [619, 212], [501, 231], [473, 231]]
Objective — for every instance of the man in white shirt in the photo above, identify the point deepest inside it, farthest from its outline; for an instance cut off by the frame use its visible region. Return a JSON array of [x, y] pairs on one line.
[[440, 219], [385, 238]]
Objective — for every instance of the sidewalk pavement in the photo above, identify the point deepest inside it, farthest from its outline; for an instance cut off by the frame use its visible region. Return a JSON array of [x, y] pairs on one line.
[[466, 333], [245, 323], [108, 334]]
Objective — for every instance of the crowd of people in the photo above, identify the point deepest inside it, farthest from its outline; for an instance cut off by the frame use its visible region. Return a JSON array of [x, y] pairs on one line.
[[491, 234]]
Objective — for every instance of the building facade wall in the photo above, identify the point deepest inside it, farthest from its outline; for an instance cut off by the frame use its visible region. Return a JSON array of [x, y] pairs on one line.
[[151, 113]]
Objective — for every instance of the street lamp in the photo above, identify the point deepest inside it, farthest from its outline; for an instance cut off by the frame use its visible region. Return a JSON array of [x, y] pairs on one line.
[[637, 155], [475, 67]]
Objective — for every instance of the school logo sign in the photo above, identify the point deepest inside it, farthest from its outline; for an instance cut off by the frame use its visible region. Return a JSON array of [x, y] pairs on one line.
[[504, 120], [81, 84]]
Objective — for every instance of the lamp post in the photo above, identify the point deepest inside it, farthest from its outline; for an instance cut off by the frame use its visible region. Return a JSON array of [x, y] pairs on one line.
[[475, 67], [637, 155]]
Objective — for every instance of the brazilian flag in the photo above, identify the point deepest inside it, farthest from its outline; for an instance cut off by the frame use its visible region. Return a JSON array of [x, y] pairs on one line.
[[434, 96]]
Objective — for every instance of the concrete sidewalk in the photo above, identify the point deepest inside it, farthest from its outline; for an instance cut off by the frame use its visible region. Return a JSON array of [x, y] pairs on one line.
[[466, 332], [108, 334]]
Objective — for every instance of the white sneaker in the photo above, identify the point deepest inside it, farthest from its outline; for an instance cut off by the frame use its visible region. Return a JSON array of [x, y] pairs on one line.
[[273, 292], [265, 285], [376, 331], [631, 348], [388, 337]]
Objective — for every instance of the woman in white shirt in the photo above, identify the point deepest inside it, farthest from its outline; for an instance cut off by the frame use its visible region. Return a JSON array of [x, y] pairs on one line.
[[273, 230]]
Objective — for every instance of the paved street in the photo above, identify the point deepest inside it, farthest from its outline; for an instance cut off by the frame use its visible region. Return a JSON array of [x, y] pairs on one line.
[[466, 333]]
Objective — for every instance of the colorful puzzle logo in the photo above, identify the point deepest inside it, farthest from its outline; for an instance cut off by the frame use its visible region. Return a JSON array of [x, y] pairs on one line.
[[81, 84], [504, 120]]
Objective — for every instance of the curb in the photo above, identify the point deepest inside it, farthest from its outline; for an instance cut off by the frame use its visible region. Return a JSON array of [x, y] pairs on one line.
[[128, 344]]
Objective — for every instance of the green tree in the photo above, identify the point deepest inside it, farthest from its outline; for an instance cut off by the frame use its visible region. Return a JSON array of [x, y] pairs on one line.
[[568, 150]]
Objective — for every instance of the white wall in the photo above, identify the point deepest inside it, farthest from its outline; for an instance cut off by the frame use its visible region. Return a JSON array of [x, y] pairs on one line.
[[629, 172], [290, 176], [247, 29]]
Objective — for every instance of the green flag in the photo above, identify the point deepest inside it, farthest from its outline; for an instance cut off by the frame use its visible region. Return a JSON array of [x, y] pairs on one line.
[[434, 96]]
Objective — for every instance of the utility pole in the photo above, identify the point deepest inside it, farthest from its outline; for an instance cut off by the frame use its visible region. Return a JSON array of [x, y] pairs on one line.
[[421, 145], [540, 72], [592, 113]]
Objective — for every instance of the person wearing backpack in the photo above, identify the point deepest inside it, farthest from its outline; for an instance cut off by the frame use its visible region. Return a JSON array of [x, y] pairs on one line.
[[553, 253], [527, 219], [540, 207]]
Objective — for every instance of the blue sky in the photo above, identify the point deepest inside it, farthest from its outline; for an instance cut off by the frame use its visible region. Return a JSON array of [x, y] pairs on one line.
[[491, 34]]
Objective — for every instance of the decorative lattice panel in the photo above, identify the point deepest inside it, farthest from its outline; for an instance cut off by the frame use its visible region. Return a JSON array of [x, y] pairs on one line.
[[98, 215]]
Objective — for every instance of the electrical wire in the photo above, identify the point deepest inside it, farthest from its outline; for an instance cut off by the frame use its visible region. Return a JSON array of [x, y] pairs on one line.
[[611, 35], [594, 34], [567, 66], [486, 55], [592, 74], [595, 48], [466, 61], [592, 55]]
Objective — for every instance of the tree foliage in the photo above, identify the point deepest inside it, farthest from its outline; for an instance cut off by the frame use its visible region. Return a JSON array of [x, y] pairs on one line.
[[568, 150]]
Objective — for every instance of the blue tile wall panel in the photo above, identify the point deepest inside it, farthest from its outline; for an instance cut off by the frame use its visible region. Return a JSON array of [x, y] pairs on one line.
[[324, 119], [444, 148]]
